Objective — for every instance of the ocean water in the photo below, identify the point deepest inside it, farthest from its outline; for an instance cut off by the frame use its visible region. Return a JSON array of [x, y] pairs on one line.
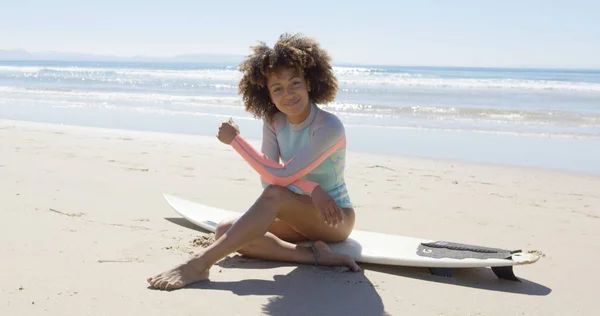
[[543, 118]]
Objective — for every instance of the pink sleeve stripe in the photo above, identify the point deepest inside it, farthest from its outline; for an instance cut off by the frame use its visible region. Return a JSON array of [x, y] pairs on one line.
[[305, 185], [258, 160], [242, 147]]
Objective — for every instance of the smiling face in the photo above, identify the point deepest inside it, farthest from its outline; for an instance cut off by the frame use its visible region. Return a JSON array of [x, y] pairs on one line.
[[288, 90]]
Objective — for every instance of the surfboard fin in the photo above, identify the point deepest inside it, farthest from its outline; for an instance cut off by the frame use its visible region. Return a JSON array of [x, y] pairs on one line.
[[505, 273], [443, 272]]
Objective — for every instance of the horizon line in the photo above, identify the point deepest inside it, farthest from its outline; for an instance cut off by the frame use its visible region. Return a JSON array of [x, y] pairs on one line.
[[91, 57]]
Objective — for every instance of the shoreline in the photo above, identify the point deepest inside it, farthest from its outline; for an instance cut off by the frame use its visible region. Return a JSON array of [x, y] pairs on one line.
[[256, 142]]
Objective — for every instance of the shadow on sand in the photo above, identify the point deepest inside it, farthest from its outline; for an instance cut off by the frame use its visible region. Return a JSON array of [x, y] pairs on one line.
[[306, 290], [477, 278], [187, 224]]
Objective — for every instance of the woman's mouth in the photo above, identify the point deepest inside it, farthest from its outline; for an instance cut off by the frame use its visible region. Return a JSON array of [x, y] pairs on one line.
[[294, 102]]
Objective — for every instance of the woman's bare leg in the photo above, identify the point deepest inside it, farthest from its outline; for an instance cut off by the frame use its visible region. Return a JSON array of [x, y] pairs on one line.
[[278, 245], [251, 229]]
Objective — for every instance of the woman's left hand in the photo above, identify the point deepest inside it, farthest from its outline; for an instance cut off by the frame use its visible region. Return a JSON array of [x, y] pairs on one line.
[[331, 212], [228, 131]]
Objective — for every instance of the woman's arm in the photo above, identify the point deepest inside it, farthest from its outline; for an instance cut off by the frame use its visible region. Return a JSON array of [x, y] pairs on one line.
[[327, 138], [270, 147]]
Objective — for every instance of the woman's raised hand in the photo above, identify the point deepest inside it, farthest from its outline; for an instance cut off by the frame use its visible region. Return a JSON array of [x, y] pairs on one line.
[[228, 131]]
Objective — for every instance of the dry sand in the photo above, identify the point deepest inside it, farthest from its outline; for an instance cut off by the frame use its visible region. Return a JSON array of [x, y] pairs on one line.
[[84, 224]]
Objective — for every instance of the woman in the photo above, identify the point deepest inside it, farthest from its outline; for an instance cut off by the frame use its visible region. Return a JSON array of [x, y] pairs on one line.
[[304, 199]]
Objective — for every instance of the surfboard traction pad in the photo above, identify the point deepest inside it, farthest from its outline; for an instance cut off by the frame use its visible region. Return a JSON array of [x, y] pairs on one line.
[[445, 249]]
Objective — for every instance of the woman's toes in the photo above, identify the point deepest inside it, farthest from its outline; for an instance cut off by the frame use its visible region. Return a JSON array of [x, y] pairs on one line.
[[164, 284]]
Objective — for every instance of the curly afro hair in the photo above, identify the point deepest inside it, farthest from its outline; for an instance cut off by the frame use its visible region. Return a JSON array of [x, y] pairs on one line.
[[294, 51]]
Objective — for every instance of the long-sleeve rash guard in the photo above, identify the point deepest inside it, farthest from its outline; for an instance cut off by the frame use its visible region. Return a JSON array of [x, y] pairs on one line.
[[313, 153]]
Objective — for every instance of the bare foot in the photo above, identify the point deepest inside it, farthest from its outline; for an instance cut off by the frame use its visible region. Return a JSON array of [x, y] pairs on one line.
[[328, 258], [179, 276]]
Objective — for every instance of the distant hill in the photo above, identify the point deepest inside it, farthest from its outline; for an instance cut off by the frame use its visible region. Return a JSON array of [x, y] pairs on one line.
[[21, 54]]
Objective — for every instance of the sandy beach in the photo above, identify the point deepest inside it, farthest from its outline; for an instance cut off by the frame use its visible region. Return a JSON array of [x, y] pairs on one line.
[[84, 224]]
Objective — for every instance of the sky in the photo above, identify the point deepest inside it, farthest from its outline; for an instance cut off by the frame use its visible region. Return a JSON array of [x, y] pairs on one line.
[[530, 33]]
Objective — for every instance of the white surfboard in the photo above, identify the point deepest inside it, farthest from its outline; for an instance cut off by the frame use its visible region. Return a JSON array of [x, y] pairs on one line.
[[386, 249]]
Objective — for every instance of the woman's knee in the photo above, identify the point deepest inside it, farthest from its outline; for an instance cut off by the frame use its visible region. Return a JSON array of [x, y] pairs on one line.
[[275, 194], [223, 227]]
